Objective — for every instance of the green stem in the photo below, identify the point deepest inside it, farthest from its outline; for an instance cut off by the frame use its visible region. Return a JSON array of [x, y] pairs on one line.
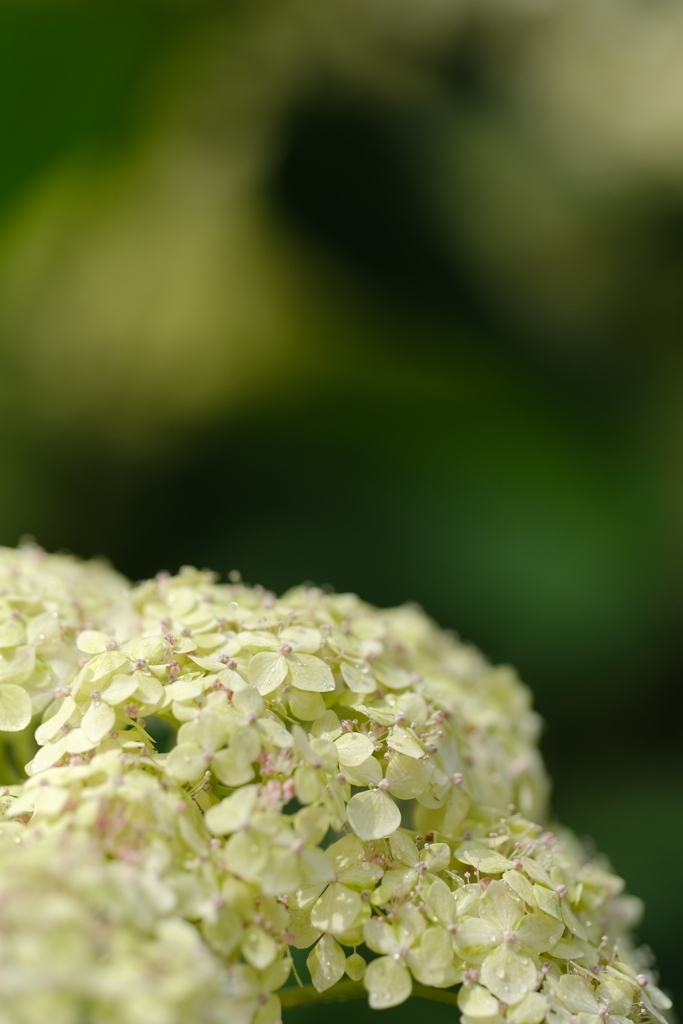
[[344, 991]]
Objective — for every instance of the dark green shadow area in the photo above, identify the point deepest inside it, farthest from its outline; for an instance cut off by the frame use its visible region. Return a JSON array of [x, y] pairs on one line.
[[359, 1012]]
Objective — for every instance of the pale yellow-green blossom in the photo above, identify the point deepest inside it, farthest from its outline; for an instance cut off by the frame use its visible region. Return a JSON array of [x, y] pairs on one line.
[[343, 780]]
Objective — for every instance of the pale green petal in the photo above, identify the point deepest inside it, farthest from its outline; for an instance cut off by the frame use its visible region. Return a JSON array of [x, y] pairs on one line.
[[258, 947], [572, 922], [121, 688], [255, 638], [577, 994], [540, 932], [475, 938], [436, 857], [15, 708], [212, 731], [440, 902], [17, 667], [306, 706], [232, 813], [548, 901], [409, 924], [397, 882], [521, 885], [149, 690], [404, 741], [403, 849], [388, 982], [310, 673], [186, 763], [103, 665], [267, 671], [307, 784], [230, 770], [433, 962], [185, 689], [282, 873], [468, 900], [324, 755], [311, 824], [455, 811], [476, 1002], [358, 678], [501, 907], [47, 756], [368, 773], [336, 910], [407, 776], [52, 726], [76, 742], [149, 648], [91, 641], [13, 634], [209, 662], [379, 935], [353, 748], [346, 852], [98, 720], [269, 1012], [248, 701], [373, 814], [300, 927], [276, 975], [245, 744], [531, 1010], [534, 870], [566, 950], [303, 639], [316, 867], [488, 861], [355, 967], [275, 733], [225, 932], [247, 853], [617, 994], [508, 974], [326, 963], [392, 677], [327, 726]]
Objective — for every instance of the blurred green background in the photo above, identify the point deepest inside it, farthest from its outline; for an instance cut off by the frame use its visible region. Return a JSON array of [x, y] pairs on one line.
[[386, 294]]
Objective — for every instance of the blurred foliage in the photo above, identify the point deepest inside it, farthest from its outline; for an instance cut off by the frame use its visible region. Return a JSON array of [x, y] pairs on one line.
[[381, 294]]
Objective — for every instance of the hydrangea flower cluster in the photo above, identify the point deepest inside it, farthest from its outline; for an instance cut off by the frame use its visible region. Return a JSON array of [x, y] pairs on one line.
[[339, 779]]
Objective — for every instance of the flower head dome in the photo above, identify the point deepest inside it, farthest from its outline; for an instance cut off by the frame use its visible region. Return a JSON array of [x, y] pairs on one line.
[[334, 778]]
